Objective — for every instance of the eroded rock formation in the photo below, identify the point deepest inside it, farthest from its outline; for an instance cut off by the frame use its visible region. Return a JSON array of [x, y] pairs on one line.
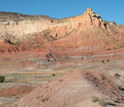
[[23, 32]]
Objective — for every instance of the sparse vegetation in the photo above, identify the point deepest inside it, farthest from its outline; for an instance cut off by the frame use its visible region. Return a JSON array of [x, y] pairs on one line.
[[95, 99], [103, 102], [105, 61], [108, 49], [108, 60], [45, 99], [16, 17], [2, 79], [53, 74]]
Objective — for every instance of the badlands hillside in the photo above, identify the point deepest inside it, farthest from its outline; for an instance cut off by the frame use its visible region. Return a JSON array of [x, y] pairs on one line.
[[88, 31], [71, 62]]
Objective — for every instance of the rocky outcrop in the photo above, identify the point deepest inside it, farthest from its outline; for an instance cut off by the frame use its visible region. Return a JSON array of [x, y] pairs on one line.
[[23, 29]]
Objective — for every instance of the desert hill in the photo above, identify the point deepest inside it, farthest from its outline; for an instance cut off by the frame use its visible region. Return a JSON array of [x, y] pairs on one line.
[[24, 32]]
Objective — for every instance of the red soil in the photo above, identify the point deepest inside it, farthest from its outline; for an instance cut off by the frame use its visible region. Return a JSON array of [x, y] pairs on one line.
[[15, 91]]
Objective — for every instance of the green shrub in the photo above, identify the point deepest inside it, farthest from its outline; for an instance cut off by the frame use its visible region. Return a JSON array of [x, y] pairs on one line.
[[53, 74], [103, 61], [108, 60], [108, 49], [103, 102], [2, 78], [95, 99]]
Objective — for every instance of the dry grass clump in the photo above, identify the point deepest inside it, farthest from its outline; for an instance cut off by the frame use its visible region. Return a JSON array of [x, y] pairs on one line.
[[2, 79]]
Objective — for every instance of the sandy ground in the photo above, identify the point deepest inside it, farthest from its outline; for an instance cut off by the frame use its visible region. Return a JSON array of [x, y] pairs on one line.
[[76, 90]]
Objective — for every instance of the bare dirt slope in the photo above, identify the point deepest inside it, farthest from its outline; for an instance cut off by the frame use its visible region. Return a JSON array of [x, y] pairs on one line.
[[73, 90], [68, 90]]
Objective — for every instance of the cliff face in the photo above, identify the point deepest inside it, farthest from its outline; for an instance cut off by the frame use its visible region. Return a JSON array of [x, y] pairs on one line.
[[84, 31], [22, 27]]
